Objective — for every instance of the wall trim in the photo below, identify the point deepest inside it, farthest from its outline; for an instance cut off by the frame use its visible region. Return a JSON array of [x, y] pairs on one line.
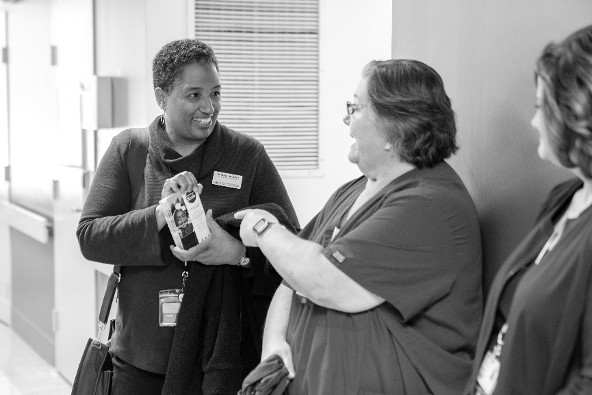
[[26, 221]]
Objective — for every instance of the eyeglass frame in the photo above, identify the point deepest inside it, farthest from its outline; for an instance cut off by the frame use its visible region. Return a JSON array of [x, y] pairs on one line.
[[353, 107]]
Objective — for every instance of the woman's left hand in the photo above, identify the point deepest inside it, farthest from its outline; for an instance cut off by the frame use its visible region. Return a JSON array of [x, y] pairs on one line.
[[218, 249]]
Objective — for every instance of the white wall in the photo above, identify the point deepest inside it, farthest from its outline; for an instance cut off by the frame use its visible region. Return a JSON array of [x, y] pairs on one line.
[[125, 47], [351, 34], [485, 52], [5, 267]]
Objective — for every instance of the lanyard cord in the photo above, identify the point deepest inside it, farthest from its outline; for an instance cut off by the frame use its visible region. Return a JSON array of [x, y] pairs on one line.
[[185, 274], [553, 239]]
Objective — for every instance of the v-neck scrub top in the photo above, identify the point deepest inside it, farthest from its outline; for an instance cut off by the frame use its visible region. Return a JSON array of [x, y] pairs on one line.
[[416, 244], [548, 346]]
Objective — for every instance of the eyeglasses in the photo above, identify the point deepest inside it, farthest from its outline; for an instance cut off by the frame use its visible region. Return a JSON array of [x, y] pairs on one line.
[[353, 107]]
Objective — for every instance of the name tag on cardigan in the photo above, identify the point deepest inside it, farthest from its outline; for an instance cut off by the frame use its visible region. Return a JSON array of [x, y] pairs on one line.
[[227, 180], [338, 256]]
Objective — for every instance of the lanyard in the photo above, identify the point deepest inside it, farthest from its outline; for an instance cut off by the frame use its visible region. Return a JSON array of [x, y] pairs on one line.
[[185, 274], [497, 349], [553, 239]]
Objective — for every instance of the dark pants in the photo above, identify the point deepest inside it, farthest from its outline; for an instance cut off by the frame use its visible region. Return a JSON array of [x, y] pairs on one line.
[[129, 380]]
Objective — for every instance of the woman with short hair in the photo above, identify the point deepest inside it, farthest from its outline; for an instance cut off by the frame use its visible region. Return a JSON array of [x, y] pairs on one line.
[[185, 148], [382, 290]]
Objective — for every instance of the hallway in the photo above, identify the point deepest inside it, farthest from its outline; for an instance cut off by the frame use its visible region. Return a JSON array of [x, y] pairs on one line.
[[23, 372]]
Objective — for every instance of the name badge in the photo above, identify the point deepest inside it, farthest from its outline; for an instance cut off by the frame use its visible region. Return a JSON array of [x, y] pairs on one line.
[[488, 374], [227, 180], [169, 302]]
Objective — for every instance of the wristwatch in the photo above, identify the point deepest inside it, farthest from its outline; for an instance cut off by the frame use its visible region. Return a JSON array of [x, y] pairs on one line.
[[244, 261], [261, 226]]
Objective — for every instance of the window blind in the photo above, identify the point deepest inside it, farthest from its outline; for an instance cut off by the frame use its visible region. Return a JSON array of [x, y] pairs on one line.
[[268, 54]]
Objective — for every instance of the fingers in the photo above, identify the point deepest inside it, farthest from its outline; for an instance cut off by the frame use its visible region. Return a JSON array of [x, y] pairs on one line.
[[182, 182], [240, 214], [212, 224], [190, 254], [285, 353], [287, 358]]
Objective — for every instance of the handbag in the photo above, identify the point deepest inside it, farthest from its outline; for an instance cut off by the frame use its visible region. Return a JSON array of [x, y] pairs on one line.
[[270, 377], [95, 369]]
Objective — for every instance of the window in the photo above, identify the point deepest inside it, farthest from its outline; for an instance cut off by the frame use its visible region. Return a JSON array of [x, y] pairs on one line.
[[268, 52]]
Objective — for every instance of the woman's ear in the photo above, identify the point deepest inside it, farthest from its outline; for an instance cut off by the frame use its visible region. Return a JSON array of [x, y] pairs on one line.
[[160, 96]]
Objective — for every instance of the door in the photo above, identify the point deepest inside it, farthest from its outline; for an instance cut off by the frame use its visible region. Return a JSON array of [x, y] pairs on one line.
[[31, 140], [74, 313], [5, 266]]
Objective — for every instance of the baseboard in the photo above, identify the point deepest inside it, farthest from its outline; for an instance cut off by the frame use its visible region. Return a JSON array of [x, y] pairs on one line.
[[38, 340]]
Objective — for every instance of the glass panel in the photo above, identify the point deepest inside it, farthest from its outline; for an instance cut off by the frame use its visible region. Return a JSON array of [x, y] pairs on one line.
[[31, 112]]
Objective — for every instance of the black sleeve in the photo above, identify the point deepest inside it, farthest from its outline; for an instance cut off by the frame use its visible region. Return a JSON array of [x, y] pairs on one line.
[[108, 231]]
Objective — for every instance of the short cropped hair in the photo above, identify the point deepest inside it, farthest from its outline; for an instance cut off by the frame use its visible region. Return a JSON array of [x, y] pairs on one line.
[[409, 99], [170, 61], [566, 71]]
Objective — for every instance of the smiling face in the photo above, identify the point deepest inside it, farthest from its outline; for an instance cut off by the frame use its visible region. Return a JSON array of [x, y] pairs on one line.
[[538, 122], [367, 151], [191, 108]]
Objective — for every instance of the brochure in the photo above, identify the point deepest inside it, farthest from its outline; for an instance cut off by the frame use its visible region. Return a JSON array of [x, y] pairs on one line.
[[186, 219]]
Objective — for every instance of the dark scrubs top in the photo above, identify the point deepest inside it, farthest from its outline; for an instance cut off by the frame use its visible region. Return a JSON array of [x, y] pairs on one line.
[[416, 244]]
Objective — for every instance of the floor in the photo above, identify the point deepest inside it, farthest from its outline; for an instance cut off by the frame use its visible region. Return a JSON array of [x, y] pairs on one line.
[[23, 372]]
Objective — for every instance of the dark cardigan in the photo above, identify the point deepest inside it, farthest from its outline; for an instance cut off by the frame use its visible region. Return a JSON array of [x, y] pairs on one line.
[[116, 227], [217, 341]]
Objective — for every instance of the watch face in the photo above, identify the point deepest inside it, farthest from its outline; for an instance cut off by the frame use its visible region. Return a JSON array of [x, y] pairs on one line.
[[260, 226]]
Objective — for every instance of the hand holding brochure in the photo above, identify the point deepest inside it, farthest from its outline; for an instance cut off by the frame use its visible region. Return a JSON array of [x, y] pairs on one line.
[[186, 219]]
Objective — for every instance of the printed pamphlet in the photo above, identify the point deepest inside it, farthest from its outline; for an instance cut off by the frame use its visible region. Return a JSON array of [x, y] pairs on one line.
[[186, 219]]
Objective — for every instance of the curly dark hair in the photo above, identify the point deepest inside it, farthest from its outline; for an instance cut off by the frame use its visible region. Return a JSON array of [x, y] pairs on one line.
[[169, 62], [409, 98], [565, 69]]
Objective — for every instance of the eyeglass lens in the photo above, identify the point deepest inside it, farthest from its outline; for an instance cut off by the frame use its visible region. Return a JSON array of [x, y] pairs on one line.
[[350, 108]]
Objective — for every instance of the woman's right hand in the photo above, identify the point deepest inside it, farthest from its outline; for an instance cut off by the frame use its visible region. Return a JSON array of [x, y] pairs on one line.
[[182, 182], [281, 348]]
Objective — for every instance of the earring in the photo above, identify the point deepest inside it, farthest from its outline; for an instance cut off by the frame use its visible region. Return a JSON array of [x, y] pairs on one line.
[[388, 147], [162, 118]]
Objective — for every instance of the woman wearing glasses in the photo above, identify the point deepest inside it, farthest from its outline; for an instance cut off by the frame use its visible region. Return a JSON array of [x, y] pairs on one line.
[[536, 336], [382, 290]]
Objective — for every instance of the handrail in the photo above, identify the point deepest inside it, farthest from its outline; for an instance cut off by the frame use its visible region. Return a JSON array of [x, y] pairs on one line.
[[26, 221]]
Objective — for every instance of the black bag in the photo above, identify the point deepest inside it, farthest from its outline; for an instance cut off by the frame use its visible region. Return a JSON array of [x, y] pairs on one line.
[[96, 369]]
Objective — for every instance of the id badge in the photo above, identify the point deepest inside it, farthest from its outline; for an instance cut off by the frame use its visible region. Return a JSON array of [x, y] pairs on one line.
[[169, 303], [488, 373]]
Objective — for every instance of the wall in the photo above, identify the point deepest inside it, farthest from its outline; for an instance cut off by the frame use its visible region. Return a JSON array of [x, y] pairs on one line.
[[5, 266], [125, 48], [485, 52], [33, 293], [351, 34]]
